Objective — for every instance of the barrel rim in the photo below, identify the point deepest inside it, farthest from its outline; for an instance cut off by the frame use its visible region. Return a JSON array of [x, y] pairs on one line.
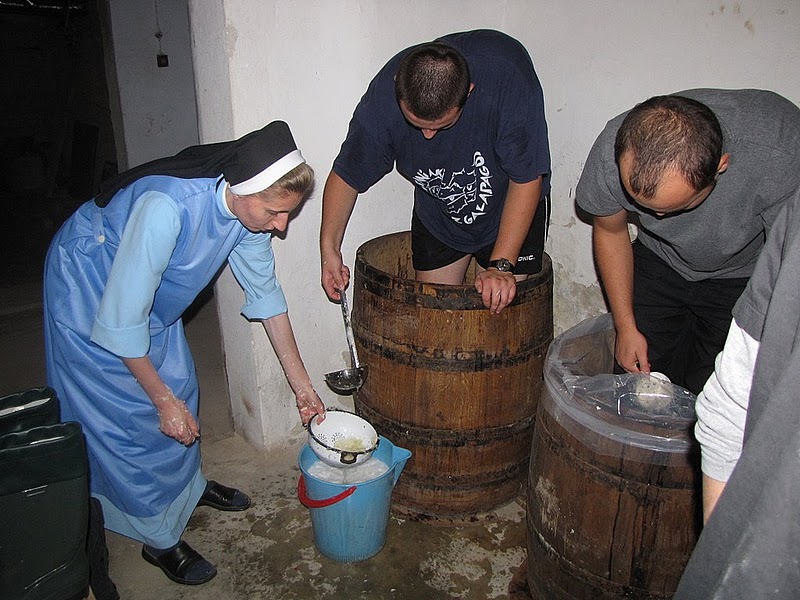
[[438, 294]]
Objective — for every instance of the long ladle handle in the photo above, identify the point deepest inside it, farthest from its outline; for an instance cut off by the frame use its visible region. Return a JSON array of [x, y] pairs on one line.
[[348, 329]]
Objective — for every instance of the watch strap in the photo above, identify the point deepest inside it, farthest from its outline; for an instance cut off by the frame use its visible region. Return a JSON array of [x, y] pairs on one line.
[[502, 264]]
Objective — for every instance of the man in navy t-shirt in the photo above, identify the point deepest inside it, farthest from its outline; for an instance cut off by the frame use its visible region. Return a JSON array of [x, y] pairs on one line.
[[462, 119]]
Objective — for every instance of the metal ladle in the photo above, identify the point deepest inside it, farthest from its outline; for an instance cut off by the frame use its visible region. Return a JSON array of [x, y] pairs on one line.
[[347, 381]]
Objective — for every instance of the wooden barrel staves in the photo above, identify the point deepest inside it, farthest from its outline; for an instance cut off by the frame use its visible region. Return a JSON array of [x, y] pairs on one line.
[[452, 383], [614, 506]]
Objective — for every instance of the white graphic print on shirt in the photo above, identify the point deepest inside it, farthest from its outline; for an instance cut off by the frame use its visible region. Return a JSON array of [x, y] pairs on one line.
[[466, 192]]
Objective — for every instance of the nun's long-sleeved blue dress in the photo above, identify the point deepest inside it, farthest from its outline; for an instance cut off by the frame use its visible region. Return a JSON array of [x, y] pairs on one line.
[[117, 280]]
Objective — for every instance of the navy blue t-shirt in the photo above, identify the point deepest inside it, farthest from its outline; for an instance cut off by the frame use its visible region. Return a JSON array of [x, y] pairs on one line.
[[460, 176]]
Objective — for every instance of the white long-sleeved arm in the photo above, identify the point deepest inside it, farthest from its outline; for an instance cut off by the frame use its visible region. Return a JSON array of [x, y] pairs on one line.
[[722, 405]]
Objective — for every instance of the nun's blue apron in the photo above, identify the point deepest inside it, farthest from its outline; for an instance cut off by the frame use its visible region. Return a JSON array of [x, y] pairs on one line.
[[148, 482]]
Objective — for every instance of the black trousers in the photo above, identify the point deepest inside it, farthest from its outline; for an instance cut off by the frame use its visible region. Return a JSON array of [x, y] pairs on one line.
[[685, 322]]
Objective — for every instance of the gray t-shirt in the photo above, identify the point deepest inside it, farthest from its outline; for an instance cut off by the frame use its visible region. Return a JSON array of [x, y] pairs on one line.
[[723, 236]]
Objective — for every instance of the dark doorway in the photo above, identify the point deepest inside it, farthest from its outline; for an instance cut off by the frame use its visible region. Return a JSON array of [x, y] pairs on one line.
[[56, 136]]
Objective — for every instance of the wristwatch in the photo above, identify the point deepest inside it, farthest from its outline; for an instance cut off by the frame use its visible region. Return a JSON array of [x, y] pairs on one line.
[[502, 264]]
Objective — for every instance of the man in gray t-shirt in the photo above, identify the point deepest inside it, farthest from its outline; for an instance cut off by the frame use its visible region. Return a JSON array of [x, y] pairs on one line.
[[702, 173]]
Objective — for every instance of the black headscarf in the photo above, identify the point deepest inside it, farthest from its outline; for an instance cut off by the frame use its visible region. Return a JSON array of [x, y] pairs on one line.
[[250, 164]]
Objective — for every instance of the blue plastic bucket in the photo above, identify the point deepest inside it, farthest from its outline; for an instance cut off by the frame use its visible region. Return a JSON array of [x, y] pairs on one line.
[[349, 521]]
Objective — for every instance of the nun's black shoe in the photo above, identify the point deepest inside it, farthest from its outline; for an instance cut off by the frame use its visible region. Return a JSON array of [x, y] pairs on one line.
[[181, 563], [224, 498]]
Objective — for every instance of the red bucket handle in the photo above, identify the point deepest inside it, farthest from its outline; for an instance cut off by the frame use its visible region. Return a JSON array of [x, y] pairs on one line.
[[311, 503]]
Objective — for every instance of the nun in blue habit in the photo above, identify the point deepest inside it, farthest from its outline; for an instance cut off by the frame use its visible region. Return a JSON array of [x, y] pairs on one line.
[[118, 276]]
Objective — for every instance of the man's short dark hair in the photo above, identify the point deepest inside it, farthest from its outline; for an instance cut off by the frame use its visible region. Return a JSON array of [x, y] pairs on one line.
[[432, 79], [670, 132]]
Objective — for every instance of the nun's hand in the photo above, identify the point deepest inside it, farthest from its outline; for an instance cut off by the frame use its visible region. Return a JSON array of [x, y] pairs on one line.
[[308, 405], [175, 420]]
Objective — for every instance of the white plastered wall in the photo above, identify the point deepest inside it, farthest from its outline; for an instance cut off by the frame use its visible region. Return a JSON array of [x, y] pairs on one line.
[[309, 61], [158, 114]]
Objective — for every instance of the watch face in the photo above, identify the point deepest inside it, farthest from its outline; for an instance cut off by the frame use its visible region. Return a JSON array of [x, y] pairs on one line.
[[502, 264]]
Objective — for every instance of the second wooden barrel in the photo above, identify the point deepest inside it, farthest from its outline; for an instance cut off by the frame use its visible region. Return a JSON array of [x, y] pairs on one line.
[[451, 382], [613, 505]]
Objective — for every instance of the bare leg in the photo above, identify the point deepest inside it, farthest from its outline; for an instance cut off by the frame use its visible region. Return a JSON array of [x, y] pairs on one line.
[[712, 489], [452, 274]]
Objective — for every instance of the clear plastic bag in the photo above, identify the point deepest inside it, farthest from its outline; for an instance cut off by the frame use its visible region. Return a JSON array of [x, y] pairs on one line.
[[634, 396], [632, 408]]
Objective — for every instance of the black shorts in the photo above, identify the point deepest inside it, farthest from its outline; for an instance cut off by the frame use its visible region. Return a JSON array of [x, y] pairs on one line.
[[428, 253], [685, 322]]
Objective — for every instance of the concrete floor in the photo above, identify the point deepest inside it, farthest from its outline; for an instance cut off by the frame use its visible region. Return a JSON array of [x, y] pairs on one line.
[[268, 552]]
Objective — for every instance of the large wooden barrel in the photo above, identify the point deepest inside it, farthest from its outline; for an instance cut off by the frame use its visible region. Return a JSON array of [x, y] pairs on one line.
[[449, 381], [613, 505]]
